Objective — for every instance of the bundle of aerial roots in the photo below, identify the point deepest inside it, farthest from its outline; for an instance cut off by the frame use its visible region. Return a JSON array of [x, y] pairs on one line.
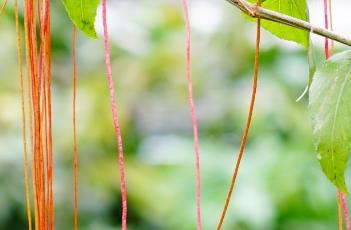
[[36, 110]]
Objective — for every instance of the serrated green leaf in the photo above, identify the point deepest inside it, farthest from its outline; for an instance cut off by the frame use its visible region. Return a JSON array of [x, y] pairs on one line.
[[295, 8], [330, 110], [82, 14]]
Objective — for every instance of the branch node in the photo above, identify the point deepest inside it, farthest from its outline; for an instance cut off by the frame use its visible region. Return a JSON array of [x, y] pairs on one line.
[[254, 12]]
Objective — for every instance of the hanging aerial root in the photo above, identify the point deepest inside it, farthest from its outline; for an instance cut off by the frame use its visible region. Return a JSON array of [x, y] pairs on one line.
[[193, 114], [27, 23], [248, 123], [30, 108], [23, 112], [75, 156], [38, 61], [47, 39], [115, 118]]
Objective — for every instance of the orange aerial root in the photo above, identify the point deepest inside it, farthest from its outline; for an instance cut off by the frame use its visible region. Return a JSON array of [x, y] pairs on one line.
[[23, 112], [39, 103], [248, 123]]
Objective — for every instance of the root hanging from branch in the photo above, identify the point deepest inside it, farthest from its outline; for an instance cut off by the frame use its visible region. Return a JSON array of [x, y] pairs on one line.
[[248, 123], [39, 103], [193, 114], [23, 113], [117, 128]]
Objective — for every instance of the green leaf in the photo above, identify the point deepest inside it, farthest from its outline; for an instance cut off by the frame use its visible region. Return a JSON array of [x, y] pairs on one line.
[[294, 8], [330, 110], [82, 14]]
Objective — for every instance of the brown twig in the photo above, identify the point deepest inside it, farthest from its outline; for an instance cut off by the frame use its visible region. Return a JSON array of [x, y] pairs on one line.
[[259, 12]]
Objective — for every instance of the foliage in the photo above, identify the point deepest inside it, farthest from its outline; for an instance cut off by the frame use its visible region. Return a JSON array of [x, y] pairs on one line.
[[295, 8], [82, 14], [330, 110]]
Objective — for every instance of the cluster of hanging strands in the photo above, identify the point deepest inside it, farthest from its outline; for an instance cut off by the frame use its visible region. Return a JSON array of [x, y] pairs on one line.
[[38, 64], [330, 49]]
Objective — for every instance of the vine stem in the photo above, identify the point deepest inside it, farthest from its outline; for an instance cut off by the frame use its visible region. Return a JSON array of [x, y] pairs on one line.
[[74, 120], [248, 122], [193, 114], [115, 118], [256, 11]]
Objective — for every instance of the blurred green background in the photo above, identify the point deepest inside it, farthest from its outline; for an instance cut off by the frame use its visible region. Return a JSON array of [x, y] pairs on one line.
[[280, 185]]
